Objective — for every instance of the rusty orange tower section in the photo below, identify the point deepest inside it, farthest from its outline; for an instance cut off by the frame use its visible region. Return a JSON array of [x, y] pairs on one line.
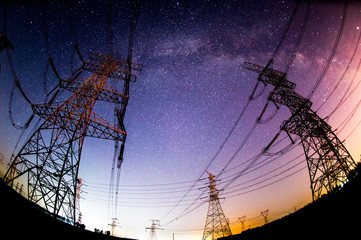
[[49, 160]]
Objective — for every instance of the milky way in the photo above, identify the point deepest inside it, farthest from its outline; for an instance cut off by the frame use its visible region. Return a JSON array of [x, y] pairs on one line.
[[187, 101]]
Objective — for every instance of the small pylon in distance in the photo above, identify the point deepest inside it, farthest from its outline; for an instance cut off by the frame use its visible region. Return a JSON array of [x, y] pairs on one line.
[[242, 220], [264, 214]]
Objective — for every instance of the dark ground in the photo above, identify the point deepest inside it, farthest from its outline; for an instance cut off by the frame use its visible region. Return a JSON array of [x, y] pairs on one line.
[[21, 219], [336, 215]]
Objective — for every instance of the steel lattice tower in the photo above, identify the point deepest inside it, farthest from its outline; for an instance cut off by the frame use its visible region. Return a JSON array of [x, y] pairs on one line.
[[153, 229], [216, 223], [264, 214], [329, 163], [242, 221], [50, 158]]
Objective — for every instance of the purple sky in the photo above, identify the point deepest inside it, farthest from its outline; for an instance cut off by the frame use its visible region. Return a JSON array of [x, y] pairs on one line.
[[187, 99]]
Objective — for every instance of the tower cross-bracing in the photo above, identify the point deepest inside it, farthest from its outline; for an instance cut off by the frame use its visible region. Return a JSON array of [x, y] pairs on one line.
[[216, 223], [329, 163], [49, 160]]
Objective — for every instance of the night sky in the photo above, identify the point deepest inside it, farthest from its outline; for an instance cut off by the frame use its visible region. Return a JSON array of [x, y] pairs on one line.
[[187, 101]]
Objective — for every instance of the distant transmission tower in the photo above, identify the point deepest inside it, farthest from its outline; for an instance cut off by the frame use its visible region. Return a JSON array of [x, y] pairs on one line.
[[264, 214], [113, 225], [216, 223], [50, 158], [153, 228], [329, 163], [77, 195], [242, 221]]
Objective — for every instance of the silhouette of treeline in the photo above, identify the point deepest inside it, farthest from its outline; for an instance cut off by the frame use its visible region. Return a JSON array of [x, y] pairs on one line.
[[333, 216]]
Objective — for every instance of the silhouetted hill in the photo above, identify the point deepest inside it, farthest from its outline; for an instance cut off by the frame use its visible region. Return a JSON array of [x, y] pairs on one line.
[[334, 216], [21, 219]]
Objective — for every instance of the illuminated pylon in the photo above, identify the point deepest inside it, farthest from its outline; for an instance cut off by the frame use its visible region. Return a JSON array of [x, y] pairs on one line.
[[113, 225], [77, 203], [264, 214], [242, 221], [329, 163], [49, 160], [153, 229], [216, 223]]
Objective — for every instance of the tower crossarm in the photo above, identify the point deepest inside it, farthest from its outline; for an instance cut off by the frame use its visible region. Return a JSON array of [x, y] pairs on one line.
[[62, 115], [289, 98], [268, 75], [306, 122], [122, 64], [108, 93], [118, 72]]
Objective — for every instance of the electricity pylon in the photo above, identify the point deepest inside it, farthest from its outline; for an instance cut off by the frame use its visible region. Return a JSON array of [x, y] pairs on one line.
[[329, 163], [153, 229], [264, 214], [242, 221], [77, 196], [216, 223], [50, 158], [113, 225]]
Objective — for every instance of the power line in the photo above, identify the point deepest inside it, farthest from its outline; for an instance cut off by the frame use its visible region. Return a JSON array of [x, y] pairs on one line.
[[345, 97], [163, 188], [343, 74], [349, 117], [300, 37], [189, 210], [332, 54], [251, 98], [266, 185], [146, 185], [150, 199], [218, 151], [265, 174], [289, 23], [7, 46], [264, 180]]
